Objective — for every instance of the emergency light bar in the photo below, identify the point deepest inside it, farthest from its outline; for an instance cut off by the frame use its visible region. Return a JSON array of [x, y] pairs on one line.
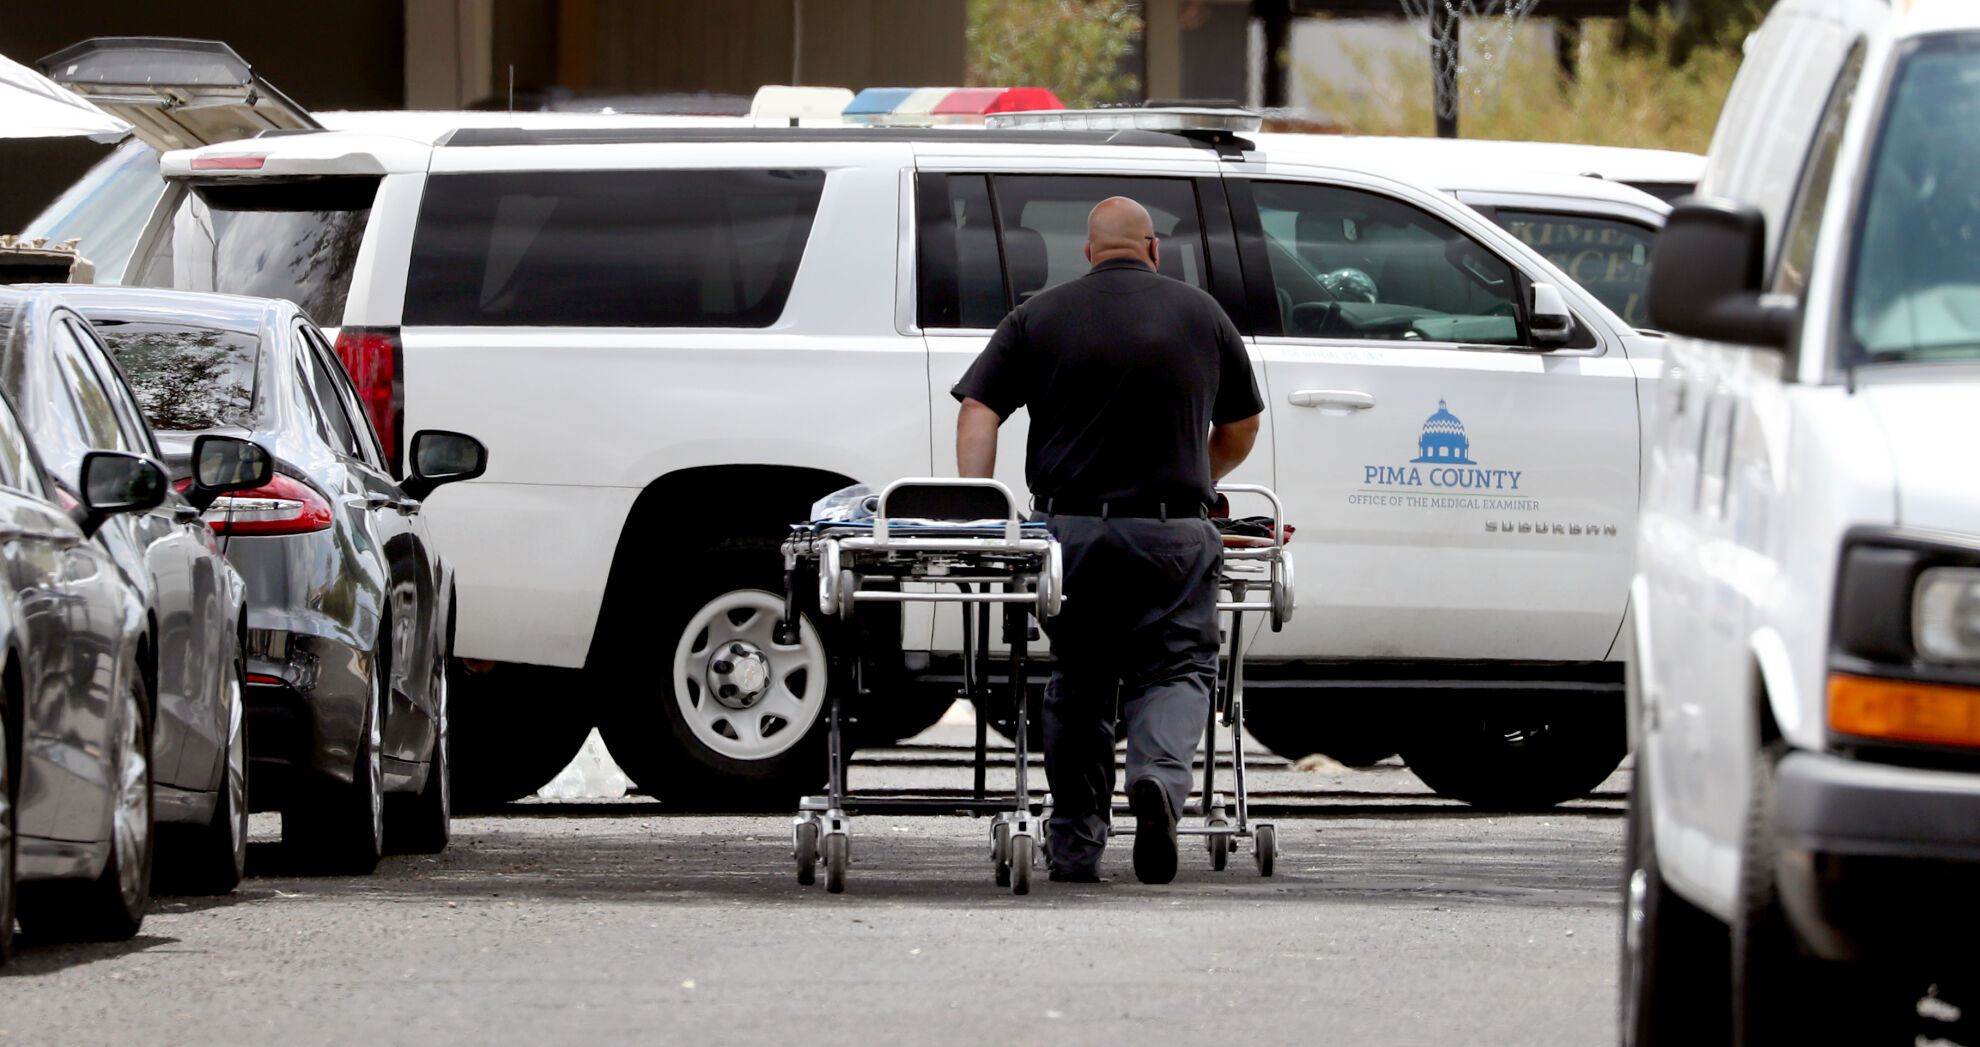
[[774, 103], [930, 106], [1178, 118]]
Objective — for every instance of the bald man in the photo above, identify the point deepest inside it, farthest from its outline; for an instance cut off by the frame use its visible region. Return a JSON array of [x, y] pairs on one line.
[[1141, 396]]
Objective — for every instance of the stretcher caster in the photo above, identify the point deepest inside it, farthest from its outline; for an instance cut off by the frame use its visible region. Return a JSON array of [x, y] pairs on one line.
[[1219, 844], [804, 847], [838, 849], [1022, 852], [1264, 848], [1000, 851]]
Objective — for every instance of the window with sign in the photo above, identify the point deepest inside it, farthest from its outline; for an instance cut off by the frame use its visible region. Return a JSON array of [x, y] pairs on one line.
[[1607, 256]]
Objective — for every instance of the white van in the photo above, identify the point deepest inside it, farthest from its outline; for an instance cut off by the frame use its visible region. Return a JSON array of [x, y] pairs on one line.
[[1805, 700]]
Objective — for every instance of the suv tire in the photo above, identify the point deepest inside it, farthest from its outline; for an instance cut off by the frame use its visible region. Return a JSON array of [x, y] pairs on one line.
[[1297, 723], [682, 742], [512, 728], [1518, 755]]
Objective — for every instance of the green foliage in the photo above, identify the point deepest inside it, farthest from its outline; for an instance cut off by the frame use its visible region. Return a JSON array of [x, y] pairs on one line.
[[1074, 47], [1633, 90]]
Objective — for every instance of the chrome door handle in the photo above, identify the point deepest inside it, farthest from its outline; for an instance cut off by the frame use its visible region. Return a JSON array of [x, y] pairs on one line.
[[408, 507], [1338, 398]]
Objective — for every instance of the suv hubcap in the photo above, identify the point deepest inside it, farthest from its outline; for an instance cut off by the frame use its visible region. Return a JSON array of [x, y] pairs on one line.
[[741, 693]]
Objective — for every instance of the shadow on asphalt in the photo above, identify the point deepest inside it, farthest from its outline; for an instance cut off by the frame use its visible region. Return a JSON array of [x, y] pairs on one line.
[[33, 958]]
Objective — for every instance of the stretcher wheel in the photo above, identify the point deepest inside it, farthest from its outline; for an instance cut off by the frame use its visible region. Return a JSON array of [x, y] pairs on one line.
[[1052, 583], [1282, 593], [838, 849], [828, 578], [804, 848], [1219, 844], [1022, 851], [1000, 851], [1264, 847]]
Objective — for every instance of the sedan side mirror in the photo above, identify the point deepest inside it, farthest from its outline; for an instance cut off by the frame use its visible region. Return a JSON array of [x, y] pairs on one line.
[[1706, 276], [222, 464], [442, 457], [1550, 322], [114, 482]]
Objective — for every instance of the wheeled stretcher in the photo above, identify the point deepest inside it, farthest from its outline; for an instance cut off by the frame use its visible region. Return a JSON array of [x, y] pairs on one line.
[[965, 541]]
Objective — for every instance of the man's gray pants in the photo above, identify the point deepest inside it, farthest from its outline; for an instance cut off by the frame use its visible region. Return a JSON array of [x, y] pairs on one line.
[[1139, 628]]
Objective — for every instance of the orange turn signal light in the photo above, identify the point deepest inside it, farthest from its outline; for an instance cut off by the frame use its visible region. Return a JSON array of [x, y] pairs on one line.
[[1904, 711]]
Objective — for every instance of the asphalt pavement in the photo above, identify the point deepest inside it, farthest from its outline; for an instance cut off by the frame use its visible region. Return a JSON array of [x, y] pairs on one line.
[[1393, 918]]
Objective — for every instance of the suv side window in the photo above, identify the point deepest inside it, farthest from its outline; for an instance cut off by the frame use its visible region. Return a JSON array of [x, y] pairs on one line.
[[1036, 227], [1811, 198], [716, 248], [1352, 264], [1610, 257]]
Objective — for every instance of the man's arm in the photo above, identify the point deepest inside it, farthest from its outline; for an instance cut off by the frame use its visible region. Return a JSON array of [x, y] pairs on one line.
[[1229, 444], [976, 438]]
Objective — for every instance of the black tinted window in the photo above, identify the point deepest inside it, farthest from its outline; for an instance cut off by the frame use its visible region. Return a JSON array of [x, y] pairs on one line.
[[186, 378], [961, 280], [610, 248], [1610, 258], [293, 240]]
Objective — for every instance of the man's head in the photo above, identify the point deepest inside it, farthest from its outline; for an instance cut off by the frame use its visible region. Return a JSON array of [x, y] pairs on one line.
[[1120, 228]]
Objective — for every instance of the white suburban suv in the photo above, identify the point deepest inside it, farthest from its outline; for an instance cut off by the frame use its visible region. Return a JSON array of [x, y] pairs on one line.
[[1805, 700], [673, 340]]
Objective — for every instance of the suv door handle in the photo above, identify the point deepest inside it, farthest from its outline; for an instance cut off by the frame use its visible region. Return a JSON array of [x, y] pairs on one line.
[[407, 507], [1337, 398], [374, 500]]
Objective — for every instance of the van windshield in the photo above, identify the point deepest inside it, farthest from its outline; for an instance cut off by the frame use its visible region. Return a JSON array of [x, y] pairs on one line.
[[293, 240], [1915, 292]]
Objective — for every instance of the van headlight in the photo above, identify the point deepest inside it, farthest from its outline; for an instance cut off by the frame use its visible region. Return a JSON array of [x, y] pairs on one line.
[[1945, 614]]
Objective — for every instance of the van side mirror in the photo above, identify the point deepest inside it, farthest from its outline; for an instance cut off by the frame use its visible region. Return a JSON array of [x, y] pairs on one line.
[[1706, 277], [223, 464], [114, 482], [1549, 323], [442, 457]]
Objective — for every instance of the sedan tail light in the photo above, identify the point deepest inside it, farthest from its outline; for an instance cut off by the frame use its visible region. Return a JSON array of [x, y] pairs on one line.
[[375, 360], [283, 506]]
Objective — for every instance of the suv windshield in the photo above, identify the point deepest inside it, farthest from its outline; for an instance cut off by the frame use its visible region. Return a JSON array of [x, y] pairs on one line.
[[1916, 275], [293, 240], [186, 378]]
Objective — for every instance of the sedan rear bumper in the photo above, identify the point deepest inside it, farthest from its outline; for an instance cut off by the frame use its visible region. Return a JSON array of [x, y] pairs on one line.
[[1877, 860]]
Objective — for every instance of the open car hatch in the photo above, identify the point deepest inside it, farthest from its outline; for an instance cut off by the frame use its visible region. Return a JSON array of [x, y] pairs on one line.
[[176, 94]]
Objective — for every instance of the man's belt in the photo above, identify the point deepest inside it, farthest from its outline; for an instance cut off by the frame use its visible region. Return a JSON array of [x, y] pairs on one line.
[[1122, 508]]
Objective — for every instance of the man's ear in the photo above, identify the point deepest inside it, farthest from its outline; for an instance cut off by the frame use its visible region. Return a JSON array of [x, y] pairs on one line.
[[1155, 254], [1087, 249]]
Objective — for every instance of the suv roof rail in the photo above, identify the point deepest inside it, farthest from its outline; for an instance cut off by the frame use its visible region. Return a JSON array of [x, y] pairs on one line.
[[502, 136]]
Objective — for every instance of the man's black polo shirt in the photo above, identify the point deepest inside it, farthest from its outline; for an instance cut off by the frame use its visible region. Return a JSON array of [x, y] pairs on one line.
[[1124, 372]]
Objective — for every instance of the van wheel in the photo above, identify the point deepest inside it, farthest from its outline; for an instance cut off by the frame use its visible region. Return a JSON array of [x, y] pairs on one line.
[[1674, 968], [1295, 724], [713, 713], [111, 907], [1522, 755], [512, 728]]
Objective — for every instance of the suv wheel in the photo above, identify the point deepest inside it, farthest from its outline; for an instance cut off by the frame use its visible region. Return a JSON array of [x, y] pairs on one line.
[[1297, 723], [514, 728], [716, 714], [1517, 756]]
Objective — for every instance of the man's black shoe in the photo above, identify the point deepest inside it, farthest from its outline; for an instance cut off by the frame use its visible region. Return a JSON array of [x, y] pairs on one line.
[[1075, 876], [1154, 832]]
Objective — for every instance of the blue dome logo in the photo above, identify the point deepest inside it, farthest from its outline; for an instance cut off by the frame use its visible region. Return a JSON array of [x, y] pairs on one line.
[[1443, 440]]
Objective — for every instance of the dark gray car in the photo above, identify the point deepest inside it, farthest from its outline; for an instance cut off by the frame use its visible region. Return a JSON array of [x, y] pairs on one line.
[[350, 605], [82, 716]]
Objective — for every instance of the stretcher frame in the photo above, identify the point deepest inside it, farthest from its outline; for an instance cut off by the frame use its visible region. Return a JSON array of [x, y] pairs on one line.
[[1007, 564]]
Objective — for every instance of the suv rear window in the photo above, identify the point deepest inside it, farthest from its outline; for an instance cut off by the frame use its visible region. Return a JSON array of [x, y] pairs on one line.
[[293, 240], [186, 378], [610, 248]]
